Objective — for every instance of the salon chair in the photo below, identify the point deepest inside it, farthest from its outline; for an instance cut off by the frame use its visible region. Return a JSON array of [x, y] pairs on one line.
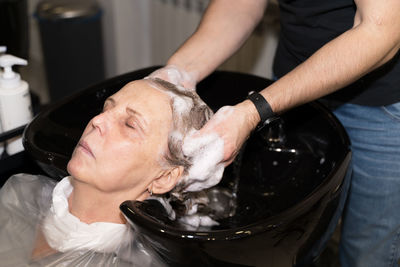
[[291, 179]]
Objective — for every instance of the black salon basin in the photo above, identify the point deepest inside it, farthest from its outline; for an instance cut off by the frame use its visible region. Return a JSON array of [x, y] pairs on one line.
[[289, 176]]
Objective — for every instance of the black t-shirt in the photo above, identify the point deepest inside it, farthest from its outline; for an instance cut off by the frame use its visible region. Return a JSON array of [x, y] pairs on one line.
[[306, 25]]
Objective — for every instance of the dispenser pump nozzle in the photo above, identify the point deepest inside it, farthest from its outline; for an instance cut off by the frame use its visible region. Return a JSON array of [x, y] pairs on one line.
[[9, 78]]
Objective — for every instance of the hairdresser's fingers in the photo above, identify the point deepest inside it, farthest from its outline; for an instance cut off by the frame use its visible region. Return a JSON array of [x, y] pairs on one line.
[[161, 74], [221, 125], [175, 76], [233, 125]]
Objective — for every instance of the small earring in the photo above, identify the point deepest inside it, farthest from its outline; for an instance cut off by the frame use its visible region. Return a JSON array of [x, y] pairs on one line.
[[150, 192]]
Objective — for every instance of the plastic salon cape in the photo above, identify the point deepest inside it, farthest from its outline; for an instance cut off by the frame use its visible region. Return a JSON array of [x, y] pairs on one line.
[[36, 229]]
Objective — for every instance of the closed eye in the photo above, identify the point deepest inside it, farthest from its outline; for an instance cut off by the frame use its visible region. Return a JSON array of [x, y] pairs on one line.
[[130, 125]]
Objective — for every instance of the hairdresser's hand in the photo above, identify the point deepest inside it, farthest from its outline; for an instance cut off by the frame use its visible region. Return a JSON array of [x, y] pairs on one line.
[[234, 125], [175, 75]]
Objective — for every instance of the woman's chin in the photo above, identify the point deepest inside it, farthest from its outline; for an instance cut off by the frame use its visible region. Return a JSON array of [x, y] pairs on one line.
[[75, 167]]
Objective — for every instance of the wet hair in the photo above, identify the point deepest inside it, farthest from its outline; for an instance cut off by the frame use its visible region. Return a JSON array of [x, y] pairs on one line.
[[189, 113], [195, 114]]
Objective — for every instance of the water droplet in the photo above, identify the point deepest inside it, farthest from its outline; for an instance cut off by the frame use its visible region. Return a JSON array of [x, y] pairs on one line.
[[50, 157], [268, 194], [100, 94]]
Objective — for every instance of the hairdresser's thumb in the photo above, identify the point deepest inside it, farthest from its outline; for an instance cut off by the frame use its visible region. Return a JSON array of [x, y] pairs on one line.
[[223, 125]]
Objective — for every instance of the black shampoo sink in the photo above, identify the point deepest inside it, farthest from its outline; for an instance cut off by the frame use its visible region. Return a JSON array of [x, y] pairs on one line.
[[288, 178]]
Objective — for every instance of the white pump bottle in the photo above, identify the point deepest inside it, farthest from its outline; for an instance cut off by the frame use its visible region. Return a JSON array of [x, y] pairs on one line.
[[15, 101]]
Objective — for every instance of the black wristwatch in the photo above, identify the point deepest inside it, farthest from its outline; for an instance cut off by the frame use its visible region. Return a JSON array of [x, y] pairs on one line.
[[263, 108]]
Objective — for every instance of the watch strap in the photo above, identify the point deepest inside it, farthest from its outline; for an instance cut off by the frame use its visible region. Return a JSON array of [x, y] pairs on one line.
[[263, 108]]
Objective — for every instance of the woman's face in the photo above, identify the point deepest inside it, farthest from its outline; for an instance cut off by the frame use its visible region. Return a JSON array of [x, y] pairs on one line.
[[122, 147]]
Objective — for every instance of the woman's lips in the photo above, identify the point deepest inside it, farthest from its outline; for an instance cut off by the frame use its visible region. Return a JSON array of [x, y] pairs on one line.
[[85, 147]]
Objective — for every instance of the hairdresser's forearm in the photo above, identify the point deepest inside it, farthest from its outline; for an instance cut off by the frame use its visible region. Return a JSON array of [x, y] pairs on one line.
[[373, 41], [225, 26]]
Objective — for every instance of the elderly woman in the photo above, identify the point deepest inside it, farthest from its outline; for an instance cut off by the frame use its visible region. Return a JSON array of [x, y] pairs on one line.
[[133, 149]]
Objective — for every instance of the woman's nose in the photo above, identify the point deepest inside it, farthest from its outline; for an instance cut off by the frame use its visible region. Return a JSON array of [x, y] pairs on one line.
[[100, 122]]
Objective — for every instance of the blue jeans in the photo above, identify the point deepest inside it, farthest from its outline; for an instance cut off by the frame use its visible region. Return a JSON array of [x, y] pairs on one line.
[[371, 219]]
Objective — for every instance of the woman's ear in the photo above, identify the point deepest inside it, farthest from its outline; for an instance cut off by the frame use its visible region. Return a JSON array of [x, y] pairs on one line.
[[167, 181]]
